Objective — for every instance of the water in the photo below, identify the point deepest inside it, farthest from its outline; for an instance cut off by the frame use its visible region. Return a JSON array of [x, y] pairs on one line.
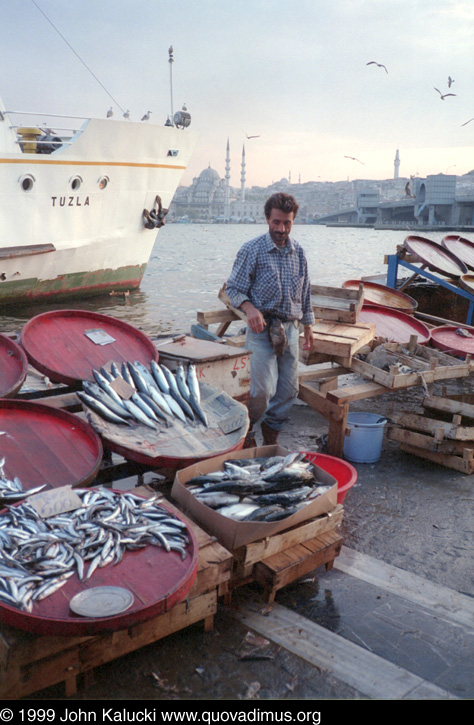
[[190, 262]]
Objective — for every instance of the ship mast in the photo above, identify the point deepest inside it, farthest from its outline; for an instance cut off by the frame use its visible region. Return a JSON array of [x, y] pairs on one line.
[[170, 61]]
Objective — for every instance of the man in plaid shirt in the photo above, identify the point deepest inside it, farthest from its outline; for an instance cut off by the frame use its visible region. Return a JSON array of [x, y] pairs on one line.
[[270, 283]]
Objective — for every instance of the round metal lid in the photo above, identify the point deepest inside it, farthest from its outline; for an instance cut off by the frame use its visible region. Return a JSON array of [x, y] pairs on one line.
[[101, 601]]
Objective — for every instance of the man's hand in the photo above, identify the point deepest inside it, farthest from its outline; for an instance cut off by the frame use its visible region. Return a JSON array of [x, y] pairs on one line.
[[308, 338], [255, 318]]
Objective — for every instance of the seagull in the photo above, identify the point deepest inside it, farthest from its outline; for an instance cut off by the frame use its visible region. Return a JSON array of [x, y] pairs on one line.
[[465, 124], [146, 117], [450, 81], [380, 65], [251, 136], [126, 114], [110, 112], [354, 159], [444, 96]]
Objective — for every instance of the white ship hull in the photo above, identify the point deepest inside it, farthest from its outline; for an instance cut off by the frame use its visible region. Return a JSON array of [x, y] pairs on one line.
[[71, 221]]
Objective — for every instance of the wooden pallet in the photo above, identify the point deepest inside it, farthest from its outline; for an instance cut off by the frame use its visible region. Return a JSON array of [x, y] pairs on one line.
[[29, 662], [337, 340], [247, 558]]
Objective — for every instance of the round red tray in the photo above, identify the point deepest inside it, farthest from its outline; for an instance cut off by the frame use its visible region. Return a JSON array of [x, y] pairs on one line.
[[57, 345], [157, 579], [435, 257], [461, 247], [13, 367], [394, 325], [446, 338], [381, 295], [44, 445]]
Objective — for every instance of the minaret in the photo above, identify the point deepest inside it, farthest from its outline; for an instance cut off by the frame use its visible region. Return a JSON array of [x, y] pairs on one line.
[[396, 165], [227, 182], [242, 177]]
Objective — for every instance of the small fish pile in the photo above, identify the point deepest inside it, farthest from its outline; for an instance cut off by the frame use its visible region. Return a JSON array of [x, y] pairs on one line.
[[38, 556], [159, 397], [259, 489], [11, 490]]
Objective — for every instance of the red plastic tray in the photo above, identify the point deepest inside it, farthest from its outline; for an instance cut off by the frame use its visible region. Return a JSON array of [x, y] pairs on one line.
[[381, 295], [44, 445], [446, 338], [435, 257], [158, 580], [461, 247], [13, 367], [56, 344], [394, 325]]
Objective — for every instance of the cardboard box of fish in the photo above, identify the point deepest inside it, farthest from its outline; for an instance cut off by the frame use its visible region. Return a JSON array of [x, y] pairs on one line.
[[246, 495]]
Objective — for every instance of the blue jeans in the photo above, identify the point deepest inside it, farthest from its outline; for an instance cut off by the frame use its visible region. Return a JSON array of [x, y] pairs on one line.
[[273, 380]]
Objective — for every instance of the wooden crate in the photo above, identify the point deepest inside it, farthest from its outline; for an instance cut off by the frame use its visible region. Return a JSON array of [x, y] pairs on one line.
[[281, 569], [337, 303], [247, 559], [427, 366], [336, 340], [29, 662]]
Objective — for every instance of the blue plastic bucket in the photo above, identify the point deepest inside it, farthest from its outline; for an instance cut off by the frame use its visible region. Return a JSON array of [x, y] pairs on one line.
[[364, 444]]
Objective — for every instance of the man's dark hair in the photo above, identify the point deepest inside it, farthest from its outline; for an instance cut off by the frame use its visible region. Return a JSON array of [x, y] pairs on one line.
[[283, 202]]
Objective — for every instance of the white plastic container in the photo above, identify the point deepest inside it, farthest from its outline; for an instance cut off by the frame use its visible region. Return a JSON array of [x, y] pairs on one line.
[[364, 444]]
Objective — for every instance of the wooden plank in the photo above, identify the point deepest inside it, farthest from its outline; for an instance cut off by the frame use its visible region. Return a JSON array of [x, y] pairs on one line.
[[464, 465], [356, 392], [449, 405], [429, 443], [262, 549], [336, 433], [222, 295], [431, 425], [319, 402], [215, 316], [315, 375]]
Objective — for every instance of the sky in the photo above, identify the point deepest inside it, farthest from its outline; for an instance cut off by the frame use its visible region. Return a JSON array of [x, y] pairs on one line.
[[295, 75]]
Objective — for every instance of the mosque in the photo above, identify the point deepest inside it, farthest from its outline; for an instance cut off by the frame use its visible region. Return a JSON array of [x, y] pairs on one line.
[[211, 198]]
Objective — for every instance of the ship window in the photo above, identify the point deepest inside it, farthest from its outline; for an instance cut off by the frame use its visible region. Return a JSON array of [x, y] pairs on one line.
[[75, 182], [173, 152], [27, 182], [103, 181]]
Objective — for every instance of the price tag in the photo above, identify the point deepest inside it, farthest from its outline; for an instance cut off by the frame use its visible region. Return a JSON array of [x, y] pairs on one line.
[[55, 501], [122, 388], [99, 337]]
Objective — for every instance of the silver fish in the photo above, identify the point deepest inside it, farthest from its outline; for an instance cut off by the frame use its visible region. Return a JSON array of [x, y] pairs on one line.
[[158, 397], [192, 381], [160, 377], [100, 408], [181, 382], [138, 413]]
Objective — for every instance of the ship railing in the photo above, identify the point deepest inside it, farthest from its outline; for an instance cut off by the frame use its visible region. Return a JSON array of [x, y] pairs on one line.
[[54, 137]]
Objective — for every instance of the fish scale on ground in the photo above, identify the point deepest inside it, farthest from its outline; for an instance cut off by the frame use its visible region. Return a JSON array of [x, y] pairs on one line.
[[267, 489], [157, 398], [38, 556]]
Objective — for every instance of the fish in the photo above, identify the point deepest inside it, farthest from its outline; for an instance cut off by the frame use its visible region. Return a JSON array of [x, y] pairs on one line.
[[192, 381], [196, 406], [138, 378], [157, 410], [160, 378], [174, 392], [106, 387], [126, 375], [145, 373], [138, 413], [100, 408], [158, 397], [97, 392], [139, 400], [181, 382]]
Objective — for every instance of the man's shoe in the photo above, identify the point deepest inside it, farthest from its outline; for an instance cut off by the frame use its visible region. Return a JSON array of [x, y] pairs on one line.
[[249, 441], [270, 436]]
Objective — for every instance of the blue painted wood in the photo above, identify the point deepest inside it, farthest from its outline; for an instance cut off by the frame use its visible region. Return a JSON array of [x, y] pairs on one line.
[[394, 262]]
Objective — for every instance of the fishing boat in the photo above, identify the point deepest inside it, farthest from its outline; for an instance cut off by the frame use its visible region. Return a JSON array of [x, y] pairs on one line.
[[82, 200]]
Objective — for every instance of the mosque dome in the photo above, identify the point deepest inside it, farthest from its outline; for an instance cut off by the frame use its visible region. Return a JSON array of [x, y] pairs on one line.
[[209, 175]]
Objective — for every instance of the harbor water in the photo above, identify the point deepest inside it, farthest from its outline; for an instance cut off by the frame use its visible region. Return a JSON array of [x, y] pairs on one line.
[[190, 262]]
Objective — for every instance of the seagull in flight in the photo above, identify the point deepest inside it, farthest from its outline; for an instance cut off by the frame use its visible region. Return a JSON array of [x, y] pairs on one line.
[[126, 114], [443, 96], [146, 117], [380, 65], [251, 136], [450, 81], [353, 158], [110, 112], [465, 124]]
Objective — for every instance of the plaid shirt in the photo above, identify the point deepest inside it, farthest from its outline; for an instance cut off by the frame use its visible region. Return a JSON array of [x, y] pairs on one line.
[[275, 279]]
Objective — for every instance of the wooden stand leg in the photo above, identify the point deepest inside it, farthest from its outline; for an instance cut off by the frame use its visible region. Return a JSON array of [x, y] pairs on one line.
[[336, 432]]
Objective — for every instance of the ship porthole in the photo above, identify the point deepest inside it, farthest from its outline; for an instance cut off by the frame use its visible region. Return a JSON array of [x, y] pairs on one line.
[[103, 181], [27, 182], [75, 182]]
